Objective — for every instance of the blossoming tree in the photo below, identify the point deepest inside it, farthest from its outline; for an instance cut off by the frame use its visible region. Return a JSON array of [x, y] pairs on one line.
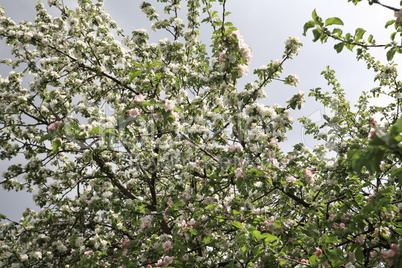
[[147, 154]]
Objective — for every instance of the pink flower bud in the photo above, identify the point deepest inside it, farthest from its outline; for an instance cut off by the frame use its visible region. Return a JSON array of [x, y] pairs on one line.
[[53, 125], [318, 252], [372, 134]]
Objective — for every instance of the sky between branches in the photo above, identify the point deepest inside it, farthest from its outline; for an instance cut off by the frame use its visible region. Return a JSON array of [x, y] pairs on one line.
[[265, 25]]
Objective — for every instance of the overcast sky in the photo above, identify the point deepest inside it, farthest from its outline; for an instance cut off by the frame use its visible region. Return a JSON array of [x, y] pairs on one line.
[[265, 25]]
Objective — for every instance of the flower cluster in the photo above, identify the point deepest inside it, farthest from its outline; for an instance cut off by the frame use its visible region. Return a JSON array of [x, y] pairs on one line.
[[244, 48], [53, 125], [230, 55], [292, 80], [292, 46], [133, 112]]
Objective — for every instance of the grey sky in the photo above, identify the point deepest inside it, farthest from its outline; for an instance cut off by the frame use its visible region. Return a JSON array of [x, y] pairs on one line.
[[265, 25]]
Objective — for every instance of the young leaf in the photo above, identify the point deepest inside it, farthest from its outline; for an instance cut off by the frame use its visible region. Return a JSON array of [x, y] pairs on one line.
[[256, 235], [269, 238], [317, 19], [56, 145], [359, 33], [308, 25], [238, 225], [339, 47], [332, 21], [391, 54]]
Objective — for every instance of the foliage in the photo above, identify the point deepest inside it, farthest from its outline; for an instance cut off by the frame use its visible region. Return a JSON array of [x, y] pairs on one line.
[[147, 154]]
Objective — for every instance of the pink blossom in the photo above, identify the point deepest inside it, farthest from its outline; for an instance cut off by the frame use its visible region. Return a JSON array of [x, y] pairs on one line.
[[290, 223], [246, 54], [242, 69], [398, 15], [222, 56], [345, 217], [291, 179], [146, 222], [169, 105], [133, 112], [167, 246], [160, 263], [237, 34], [183, 224], [125, 243], [88, 253], [360, 239], [308, 173], [304, 261], [372, 134], [139, 98], [168, 260], [239, 173], [318, 252], [53, 125], [274, 143], [388, 253]]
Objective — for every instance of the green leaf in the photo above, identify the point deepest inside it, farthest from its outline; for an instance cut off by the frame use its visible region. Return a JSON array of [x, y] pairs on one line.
[[389, 23], [370, 38], [96, 130], [396, 172], [396, 128], [134, 74], [359, 254], [317, 34], [369, 157], [111, 131], [359, 33], [391, 54], [308, 25], [193, 231], [338, 32], [269, 238], [317, 19], [56, 145], [339, 47], [379, 141], [313, 259], [256, 235], [332, 21], [238, 225], [235, 212], [256, 172], [350, 47], [48, 136]]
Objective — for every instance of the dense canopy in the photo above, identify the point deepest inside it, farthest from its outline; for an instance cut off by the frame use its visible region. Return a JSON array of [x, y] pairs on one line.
[[144, 154]]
